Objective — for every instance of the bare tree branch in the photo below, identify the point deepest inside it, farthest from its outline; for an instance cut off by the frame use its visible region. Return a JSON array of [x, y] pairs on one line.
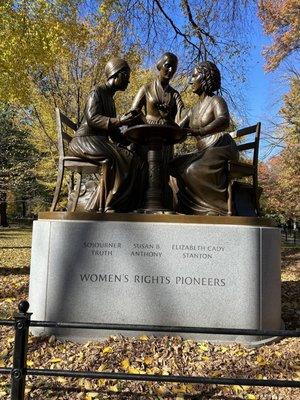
[[199, 32], [176, 29]]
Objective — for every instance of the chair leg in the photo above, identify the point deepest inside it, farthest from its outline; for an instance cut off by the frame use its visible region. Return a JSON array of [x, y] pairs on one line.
[[256, 195], [71, 183], [229, 200], [60, 175], [102, 188], [76, 192]]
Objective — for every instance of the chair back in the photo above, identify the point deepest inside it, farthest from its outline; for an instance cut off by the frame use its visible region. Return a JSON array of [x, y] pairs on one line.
[[63, 138], [253, 144]]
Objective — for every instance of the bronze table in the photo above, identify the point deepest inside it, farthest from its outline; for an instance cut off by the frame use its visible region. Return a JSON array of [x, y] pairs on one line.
[[155, 137]]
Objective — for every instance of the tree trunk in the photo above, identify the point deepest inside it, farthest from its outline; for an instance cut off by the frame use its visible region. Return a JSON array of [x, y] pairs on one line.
[[3, 208], [23, 208]]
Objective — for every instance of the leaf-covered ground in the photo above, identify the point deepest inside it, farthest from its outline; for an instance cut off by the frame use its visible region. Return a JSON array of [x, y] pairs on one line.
[[145, 354]]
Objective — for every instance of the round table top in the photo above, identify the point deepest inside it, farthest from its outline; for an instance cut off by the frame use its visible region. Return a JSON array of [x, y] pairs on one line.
[[150, 133]]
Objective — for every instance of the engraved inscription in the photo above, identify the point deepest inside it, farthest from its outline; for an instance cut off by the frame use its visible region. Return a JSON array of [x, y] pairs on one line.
[[153, 279], [102, 248], [146, 250], [197, 251]]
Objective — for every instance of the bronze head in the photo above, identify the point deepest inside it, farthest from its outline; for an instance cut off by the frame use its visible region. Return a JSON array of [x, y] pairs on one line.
[[167, 65], [117, 72], [206, 78]]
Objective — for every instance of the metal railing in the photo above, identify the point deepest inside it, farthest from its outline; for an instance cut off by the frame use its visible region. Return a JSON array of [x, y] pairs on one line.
[[290, 236], [22, 321]]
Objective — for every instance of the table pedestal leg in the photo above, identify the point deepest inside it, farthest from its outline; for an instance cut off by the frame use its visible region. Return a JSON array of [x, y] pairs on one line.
[[154, 194]]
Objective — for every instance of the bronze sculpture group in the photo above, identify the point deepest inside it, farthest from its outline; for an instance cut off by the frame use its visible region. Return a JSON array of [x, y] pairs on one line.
[[199, 180]]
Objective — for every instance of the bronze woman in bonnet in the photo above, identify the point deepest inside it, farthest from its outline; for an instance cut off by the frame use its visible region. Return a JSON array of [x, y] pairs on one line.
[[97, 138], [202, 175]]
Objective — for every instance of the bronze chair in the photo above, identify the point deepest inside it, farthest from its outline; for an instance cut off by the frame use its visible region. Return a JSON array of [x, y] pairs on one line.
[[75, 164], [242, 169]]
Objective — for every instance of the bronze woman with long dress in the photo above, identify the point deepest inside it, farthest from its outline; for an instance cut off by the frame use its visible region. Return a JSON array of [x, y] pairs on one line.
[[162, 105], [92, 141], [202, 175]]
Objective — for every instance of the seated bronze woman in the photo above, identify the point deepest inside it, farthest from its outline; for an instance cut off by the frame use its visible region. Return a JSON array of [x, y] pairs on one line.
[[161, 103], [97, 137], [202, 175]]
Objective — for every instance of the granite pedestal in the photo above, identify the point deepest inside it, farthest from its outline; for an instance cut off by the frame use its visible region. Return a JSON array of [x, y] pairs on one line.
[[221, 272]]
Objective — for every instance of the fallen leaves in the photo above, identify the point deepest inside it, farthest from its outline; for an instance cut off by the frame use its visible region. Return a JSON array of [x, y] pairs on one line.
[[251, 397], [260, 361], [143, 337], [14, 268], [91, 395], [149, 355], [55, 360], [125, 364], [203, 347], [15, 248], [114, 388], [107, 349]]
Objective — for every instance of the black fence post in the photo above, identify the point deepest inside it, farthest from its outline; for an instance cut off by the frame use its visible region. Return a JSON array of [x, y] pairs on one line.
[[18, 374]]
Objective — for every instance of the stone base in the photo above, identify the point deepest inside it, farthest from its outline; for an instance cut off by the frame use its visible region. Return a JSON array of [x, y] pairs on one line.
[[132, 269]]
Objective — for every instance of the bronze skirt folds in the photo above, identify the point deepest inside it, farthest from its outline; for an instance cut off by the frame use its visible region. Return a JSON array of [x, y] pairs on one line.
[[202, 178], [121, 177]]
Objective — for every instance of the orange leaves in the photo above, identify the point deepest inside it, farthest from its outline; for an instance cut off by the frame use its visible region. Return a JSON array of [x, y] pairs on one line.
[[280, 20], [148, 360]]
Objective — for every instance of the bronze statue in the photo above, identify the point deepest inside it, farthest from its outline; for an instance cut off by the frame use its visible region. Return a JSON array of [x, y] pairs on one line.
[[99, 123], [202, 175], [161, 105]]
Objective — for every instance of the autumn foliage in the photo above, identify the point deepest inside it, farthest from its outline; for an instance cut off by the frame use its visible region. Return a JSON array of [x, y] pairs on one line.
[[51, 55], [281, 20], [280, 175]]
